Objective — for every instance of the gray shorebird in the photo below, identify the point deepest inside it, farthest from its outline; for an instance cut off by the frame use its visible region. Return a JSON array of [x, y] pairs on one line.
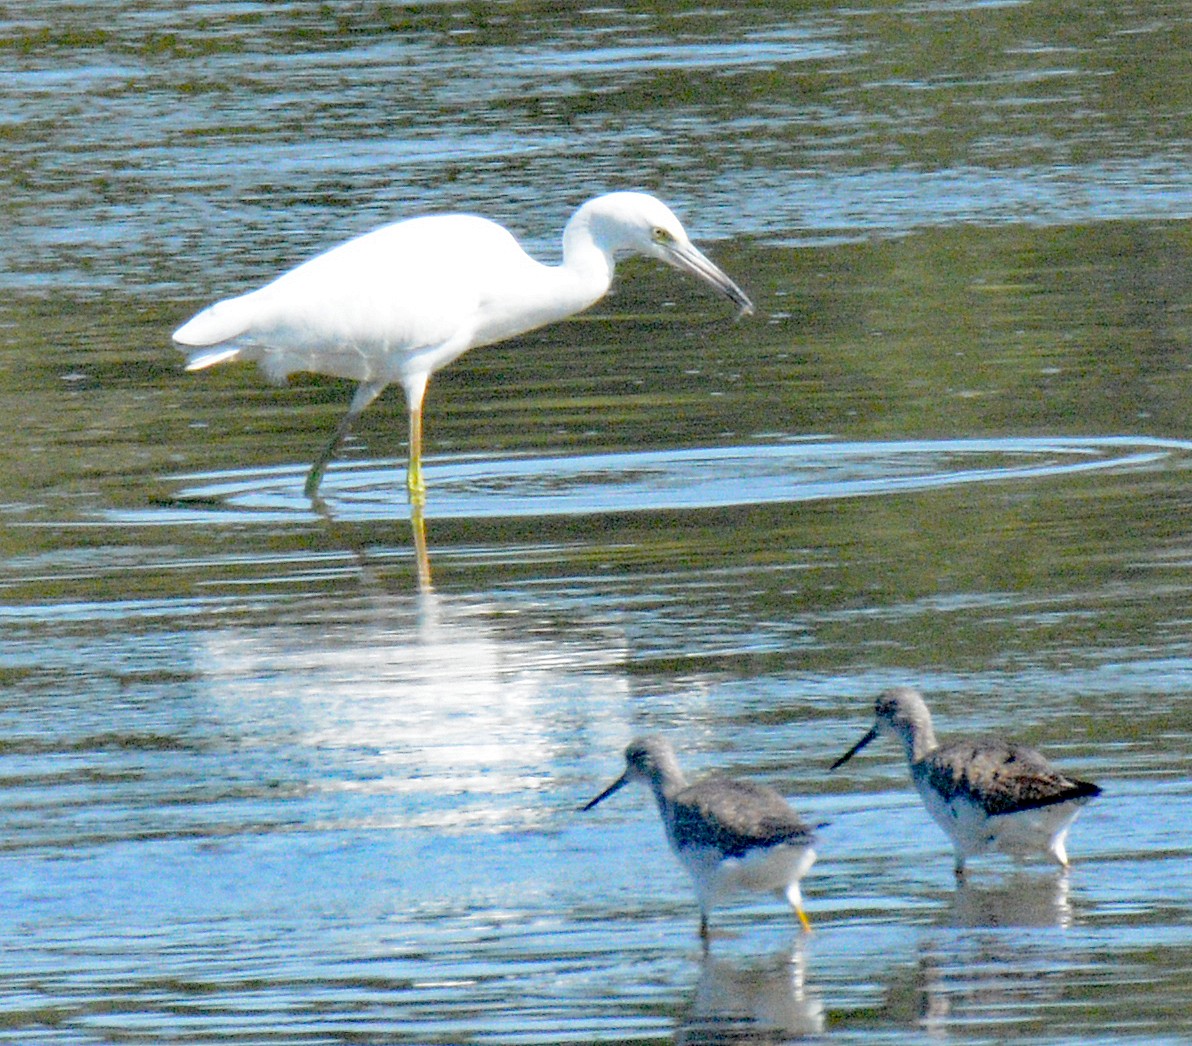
[[986, 794], [731, 835]]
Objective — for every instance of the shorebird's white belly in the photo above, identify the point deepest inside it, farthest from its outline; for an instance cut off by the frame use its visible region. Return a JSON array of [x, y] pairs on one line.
[[1032, 831], [771, 870], [1025, 832]]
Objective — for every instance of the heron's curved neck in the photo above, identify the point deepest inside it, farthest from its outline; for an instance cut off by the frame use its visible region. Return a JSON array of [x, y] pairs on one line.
[[588, 264]]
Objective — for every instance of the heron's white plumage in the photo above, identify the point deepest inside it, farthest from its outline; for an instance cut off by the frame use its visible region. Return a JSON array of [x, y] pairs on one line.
[[403, 301], [399, 299]]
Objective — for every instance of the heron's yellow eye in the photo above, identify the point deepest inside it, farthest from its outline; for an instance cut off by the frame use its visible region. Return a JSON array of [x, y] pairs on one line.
[[661, 235]]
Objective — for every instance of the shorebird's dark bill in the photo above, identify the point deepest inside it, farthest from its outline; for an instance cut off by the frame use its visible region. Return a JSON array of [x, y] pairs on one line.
[[619, 783], [856, 748]]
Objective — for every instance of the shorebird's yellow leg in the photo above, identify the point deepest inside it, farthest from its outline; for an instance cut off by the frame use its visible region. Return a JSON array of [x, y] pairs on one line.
[[803, 918]]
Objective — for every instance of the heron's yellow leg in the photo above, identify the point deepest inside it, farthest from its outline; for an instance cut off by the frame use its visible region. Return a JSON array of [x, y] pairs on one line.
[[414, 481], [421, 553]]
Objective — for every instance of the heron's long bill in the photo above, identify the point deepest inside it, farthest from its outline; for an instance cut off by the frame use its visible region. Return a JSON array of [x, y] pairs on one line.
[[617, 785], [689, 259], [855, 749]]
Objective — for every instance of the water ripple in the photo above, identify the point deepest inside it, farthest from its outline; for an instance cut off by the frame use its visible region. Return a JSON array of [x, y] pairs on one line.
[[653, 481]]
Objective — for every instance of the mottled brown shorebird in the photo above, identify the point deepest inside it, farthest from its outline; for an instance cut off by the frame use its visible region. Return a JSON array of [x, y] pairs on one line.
[[987, 794], [731, 835]]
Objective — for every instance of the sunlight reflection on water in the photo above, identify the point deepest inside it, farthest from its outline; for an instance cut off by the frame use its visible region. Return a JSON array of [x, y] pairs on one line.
[[419, 702]]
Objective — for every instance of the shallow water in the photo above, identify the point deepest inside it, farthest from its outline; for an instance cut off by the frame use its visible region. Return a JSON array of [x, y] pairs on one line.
[[257, 786]]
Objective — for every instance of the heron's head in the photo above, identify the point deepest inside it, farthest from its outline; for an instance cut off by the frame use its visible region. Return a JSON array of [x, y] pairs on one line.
[[638, 223]]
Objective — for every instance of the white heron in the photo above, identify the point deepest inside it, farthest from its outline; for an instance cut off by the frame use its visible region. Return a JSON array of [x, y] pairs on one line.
[[403, 301]]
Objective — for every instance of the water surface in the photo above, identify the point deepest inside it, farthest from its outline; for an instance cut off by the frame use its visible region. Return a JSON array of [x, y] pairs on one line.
[[257, 786]]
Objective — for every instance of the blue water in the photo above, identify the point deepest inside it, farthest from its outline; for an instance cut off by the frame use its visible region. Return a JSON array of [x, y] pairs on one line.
[[264, 781]]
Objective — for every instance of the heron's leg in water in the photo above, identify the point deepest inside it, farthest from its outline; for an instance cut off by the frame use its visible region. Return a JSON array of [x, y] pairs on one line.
[[366, 392]]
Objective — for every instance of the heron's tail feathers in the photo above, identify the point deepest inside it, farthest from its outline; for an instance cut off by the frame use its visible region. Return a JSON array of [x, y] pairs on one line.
[[216, 324], [210, 357]]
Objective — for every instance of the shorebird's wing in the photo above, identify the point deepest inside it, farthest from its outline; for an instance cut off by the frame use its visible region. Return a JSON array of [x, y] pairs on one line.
[[1002, 778], [736, 817]]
